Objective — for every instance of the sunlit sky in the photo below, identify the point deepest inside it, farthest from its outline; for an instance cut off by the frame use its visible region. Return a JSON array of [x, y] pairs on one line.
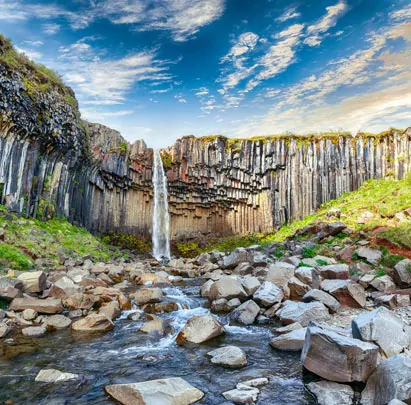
[[160, 69]]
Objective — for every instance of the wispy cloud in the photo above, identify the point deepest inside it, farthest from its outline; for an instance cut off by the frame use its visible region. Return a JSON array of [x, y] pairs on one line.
[[316, 31], [289, 14]]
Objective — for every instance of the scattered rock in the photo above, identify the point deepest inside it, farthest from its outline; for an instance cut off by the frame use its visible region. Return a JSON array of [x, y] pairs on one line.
[[268, 294], [302, 312], [383, 328], [170, 391], [246, 313], [329, 393], [34, 331], [229, 356], [93, 323], [199, 329], [336, 357], [292, 341], [47, 306], [391, 380], [53, 376], [33, 282]]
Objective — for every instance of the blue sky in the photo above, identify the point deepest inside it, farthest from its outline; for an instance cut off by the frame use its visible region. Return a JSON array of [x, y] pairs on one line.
[[160, 69]]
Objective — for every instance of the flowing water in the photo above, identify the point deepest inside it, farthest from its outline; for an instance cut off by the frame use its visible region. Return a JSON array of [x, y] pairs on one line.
[[126, 355], [161, 227]]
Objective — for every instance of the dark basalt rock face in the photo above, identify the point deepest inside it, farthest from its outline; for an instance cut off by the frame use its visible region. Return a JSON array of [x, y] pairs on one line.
[[52, 162]]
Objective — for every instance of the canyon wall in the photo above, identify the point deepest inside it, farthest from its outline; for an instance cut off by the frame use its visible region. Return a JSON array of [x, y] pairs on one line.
[[54, 163]]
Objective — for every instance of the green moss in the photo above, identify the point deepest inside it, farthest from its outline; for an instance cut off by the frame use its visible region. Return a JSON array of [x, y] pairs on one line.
[[14, 257]]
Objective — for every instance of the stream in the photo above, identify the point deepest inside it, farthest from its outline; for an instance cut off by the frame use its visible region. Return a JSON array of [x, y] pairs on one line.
[[125, 355]]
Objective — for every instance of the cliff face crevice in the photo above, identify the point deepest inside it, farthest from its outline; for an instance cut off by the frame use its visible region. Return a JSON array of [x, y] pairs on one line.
[[53, 163]]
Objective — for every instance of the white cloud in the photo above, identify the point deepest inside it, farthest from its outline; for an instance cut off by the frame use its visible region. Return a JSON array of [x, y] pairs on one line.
[[328, 21], [289, 14], [51, 29], [183, 18]]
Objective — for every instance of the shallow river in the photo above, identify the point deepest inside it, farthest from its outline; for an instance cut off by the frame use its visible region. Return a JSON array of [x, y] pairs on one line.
[[125, 355]]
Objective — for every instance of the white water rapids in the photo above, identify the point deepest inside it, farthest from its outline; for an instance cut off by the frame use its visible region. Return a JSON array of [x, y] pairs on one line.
[[161, 223]]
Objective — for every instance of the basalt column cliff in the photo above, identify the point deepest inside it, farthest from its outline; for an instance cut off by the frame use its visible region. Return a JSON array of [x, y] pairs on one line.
[[54, 163], [223, 186]]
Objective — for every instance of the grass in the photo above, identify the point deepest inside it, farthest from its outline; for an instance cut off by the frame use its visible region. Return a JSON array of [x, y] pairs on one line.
[[26, 239], [14, 258]]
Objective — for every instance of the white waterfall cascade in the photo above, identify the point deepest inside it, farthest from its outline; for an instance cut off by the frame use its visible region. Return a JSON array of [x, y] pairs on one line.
[[161, 221]]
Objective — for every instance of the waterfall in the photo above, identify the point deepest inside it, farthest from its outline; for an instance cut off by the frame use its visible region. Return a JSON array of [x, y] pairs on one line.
[[161, 226]]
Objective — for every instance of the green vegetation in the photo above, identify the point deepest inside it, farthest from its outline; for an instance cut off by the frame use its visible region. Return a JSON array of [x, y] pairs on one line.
[[36, 78], [14, 258], [130, 242], [29, 239]]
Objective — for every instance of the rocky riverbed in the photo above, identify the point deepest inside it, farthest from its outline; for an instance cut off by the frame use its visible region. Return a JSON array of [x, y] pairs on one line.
[[312, 320]]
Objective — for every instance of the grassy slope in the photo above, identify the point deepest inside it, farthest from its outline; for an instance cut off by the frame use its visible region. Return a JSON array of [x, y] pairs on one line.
[[382, 197], [27, 239]]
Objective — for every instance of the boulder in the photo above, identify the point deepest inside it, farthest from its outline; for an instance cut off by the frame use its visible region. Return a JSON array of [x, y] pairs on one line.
[[402, 273], [199, 329], [246, 313], [297, 289], [148, 296], [383, 284], [337, 357], [329, 393], [321, 296], [227, 287], [291, 341], [33, 282], [334, 272], [268, 294], [372, 256], [302, 312], [243, 394], [29, 314], [47, 306], [34, 331], [65, 286], [169, 391], [80, 301], [280, 273], [250, 284], [53, 376], [93, 323], [236, 257], [57, 322], [391, 380], [383, 328], [347, 292], [228, 356]]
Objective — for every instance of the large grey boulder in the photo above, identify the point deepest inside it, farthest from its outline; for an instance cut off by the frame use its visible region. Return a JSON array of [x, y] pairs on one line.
[[302, 312], [246, 313], [391, 380], [336, 357], [348, 293], [383, 328], [321, 296], [280, 273], [168, 391], [402, 273], [292, 341], [236, 257], [199, 329], [53, 376], [331, 393], [227, 287], [228, 356], [268, 294]]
